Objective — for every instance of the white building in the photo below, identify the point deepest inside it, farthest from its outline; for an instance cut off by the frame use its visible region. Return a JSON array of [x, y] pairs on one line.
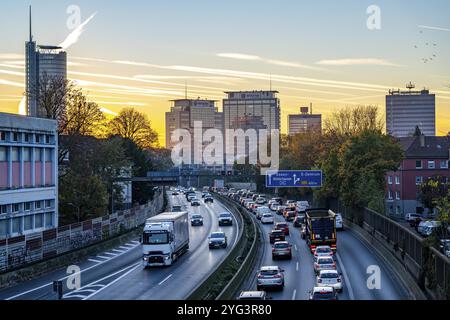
[[28, 175]]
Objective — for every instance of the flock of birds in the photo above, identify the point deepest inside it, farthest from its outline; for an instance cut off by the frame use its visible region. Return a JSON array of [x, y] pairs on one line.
[[428, 45]]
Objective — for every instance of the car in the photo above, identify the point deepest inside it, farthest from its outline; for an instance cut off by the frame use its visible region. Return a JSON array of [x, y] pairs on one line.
[[204, 194], [330, 278], [217, 240], [339, 222], [281, 249], [176, 208], [290, 203], [283, 226], [445, 247], [261, 200], [253, 295], [267, 218], [270, 277], [421, 226], [412, 216], [299, 220], [175, 193], [225, 219], [191, 197], [195, 202], [289, 214], [209, 199], [303, 231], [323, 251], [280, 210], [278, 200], [261, 210], [324, 263], [323, 293], [196, 220], [276, 235], [430, 228]]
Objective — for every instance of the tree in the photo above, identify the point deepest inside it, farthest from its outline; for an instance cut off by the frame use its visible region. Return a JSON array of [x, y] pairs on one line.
[[432, 190], [133, 125]]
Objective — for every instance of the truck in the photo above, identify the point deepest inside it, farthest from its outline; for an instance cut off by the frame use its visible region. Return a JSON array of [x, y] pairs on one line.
[[320, 228], [165, 238], [218, 184]]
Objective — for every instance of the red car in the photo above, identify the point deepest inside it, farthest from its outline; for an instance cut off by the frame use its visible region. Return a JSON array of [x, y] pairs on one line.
[[283, 227]]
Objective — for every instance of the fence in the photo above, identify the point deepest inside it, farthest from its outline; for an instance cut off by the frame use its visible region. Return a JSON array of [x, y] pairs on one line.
[[420, 260], [22, 250]]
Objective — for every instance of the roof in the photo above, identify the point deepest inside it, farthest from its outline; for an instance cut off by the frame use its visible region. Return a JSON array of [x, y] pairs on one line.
[[432, 147]]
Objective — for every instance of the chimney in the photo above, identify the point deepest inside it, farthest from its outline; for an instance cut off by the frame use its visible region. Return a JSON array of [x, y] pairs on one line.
[[422, 141]]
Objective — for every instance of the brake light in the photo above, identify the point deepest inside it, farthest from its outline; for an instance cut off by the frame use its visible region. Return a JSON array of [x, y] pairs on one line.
[[277, 276], [260, 276]]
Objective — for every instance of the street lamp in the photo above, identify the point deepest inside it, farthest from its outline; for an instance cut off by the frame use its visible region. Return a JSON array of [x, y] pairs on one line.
[[76, 207]]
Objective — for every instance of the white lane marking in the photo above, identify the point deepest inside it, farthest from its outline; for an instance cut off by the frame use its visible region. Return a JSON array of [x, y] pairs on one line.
[[295, 247], [113, 282], [294, 294], [77, 296], [103, 257], [118, 251], [124, 248], [347, 282], [167, 278], [93, 260], [111, 254], [135, 242], [62, 279], [296, 267]]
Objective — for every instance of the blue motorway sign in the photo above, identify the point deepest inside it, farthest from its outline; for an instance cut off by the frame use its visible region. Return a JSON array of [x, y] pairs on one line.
[[294, 179]]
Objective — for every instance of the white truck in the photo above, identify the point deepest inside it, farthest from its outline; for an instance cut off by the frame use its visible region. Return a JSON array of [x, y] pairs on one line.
[[165, 238]]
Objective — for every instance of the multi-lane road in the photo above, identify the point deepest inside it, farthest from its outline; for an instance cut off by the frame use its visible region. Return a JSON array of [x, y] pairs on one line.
[[118, 273], [354, 257]]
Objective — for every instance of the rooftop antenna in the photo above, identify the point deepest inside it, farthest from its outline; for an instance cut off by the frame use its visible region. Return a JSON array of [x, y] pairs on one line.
[[410, 86], [31, 34]]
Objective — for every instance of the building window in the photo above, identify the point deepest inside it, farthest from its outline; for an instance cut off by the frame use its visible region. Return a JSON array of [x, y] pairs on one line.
[[26, 137], [49, 220], [2, 136], [38, 138], [419, 180], [419, 164], [15, 154], [15, 208], [38, 221], [15, 137], [397, 180], [4, 209], [37, 205], [17, 225], [3, 154], [444, 164], [28, 222], [3, 227], [389, 179], [431, 164], [27, 154], [397, 195], [48, 203], [47, 139], [27, 206], [390, 195]]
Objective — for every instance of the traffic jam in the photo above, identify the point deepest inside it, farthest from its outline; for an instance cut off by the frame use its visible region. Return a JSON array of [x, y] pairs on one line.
[[318, 229]]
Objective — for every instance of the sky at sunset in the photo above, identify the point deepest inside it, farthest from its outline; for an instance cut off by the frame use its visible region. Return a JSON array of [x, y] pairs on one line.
[[141, 53]]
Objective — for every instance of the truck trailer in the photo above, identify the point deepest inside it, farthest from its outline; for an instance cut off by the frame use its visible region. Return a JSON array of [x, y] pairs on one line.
[[320, 228], [165, 238]]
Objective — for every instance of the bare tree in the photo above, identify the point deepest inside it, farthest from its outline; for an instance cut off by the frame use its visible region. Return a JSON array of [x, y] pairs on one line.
[[350, 121], [134, 125]]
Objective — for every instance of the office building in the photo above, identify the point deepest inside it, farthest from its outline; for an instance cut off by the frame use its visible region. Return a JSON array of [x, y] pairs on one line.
[[264, 104], [28, 175], [41, 62], [186, 112], [406, 110], [304, 122]]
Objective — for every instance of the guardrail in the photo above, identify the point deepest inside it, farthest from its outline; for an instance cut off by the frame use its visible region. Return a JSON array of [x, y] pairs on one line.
[[226, 278]]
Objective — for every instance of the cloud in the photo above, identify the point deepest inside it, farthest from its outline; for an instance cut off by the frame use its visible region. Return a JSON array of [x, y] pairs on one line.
[[12, 73], [282, 63], [11, 83], [23, 106], [73, 37], [108, 111], [11, 66], [11, 56], [434, 28], [127, 103], [357, 62]]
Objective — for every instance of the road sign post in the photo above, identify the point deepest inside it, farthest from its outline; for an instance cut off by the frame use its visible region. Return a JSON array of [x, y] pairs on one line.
[[294, 179]]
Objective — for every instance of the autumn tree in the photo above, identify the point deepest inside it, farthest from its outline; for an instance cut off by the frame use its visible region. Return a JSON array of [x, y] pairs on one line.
[[134, 125]]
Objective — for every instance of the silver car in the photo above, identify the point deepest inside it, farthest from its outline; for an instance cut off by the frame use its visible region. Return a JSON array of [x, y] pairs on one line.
[[330, 278], [270, 277], [324, 263]]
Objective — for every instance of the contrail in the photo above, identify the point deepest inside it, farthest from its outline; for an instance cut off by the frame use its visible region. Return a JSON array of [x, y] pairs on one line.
[[73, 37], [434, 28]]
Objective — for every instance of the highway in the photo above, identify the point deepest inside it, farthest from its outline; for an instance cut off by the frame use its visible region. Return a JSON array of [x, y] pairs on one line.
[[119, 275], [353, 259]]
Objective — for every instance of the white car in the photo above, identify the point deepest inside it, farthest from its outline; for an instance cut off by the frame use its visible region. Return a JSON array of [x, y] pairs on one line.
[[412, 216], [261, 210], [267, 218], [330, 278], [339, 222], [260, 200], [324, 263]]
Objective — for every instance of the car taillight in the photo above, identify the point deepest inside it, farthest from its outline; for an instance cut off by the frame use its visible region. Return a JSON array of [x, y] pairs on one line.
[[334, 264], [260, 276], [315, 265], [277, 276]]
